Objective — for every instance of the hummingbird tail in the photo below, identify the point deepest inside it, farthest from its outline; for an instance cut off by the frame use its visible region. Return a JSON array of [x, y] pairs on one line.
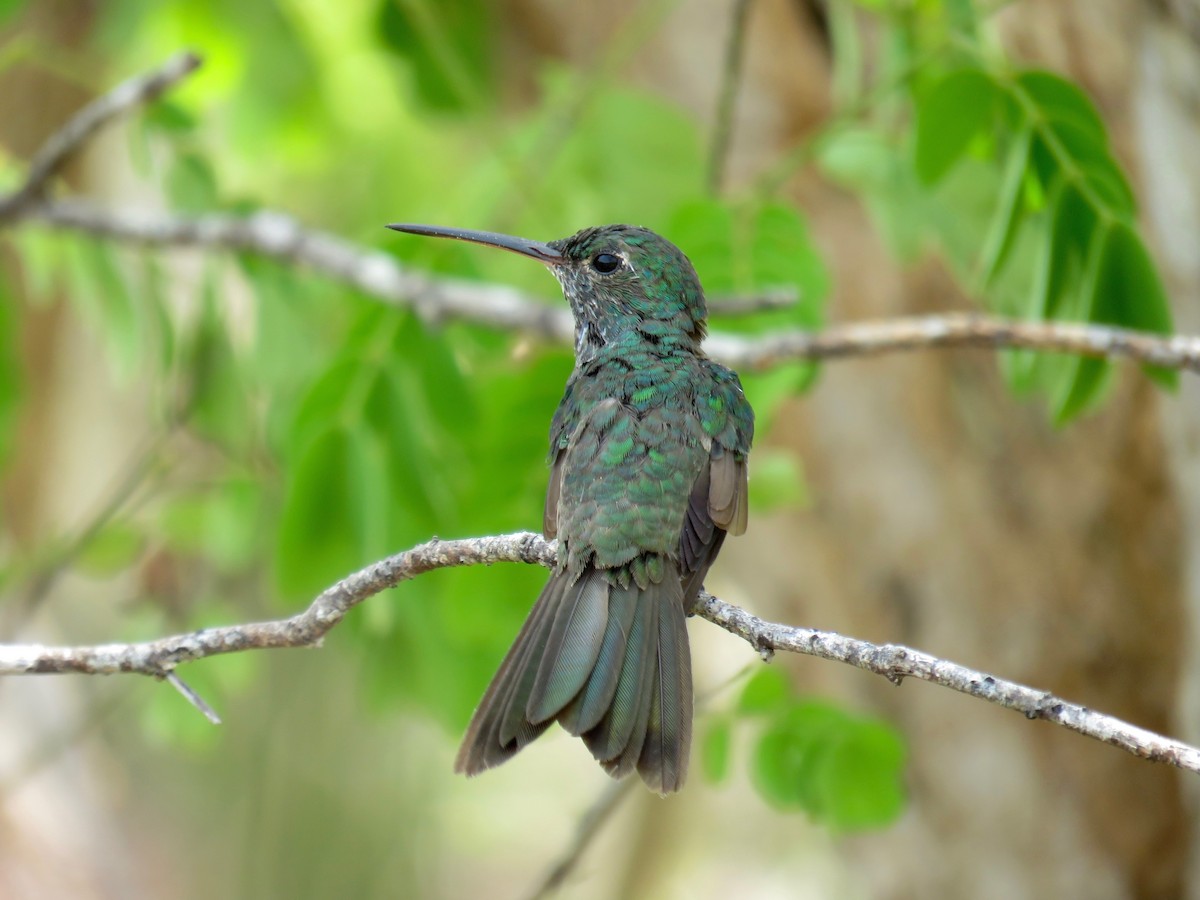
[[611, 663]]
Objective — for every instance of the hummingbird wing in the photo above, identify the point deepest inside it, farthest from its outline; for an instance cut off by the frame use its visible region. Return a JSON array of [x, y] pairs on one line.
[[718, 503]]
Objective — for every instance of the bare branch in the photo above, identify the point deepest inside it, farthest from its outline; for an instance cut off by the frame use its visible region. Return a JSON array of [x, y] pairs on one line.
[[190, 695], [896, 662], [158, 658], [730, 75], [585, 831], [304, 629], [775, 299], [279, 236], [955, 330], [61, 145], [437, 298]]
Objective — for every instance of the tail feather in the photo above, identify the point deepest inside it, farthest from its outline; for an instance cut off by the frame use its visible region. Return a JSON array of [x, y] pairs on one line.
[[590, 704], [624, 722], [493, 735], [611, 664], [664, 757], [626, 760], [572, 647]]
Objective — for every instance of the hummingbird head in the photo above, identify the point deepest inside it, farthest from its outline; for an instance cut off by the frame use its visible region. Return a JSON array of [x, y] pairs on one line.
[[622, 282]]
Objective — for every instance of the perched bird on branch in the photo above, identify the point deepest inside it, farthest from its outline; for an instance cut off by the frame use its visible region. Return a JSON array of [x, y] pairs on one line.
[[648, 454]]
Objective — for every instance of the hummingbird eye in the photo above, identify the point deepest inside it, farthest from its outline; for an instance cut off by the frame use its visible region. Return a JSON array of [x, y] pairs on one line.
[[606, 263]]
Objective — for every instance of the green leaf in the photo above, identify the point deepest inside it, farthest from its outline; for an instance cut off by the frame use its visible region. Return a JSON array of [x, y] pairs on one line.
[[860, 780], [1083, 378], [114, 549], [1129, 292], [100, 290], [767, 691], [1062, 102], [786, 757], [330, 522], [844, 771], [1108, 184], [223, 523], [220, 402], [746, 248], [191, 184], [43, 261], [169, 117], [1009, 210], [949, 116], [858, 156], [1072, 229], [10, 9], [1081, 386], [447, 395], [715, 749], [416, 477], [336, 397], [782, 253], [872, 162], [449, 47], [160, 330]]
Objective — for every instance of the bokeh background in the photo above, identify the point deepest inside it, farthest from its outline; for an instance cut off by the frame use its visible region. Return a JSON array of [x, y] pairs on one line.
[[191, 437]]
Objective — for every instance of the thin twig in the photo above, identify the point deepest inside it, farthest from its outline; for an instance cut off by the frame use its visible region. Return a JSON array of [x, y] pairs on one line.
[[61, 145], [306, 629], [767, 301], [955, 330], [190, 695], [718, 153], [588, 827], [437, 298], [278, 236], [606, 804]]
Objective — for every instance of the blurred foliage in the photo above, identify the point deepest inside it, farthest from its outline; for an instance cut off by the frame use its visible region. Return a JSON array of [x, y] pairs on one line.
[[337, 430], [1009, 173], [810, 755]]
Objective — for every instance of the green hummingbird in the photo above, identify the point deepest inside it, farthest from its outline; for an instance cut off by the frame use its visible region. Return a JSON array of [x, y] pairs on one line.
[[648, 471]]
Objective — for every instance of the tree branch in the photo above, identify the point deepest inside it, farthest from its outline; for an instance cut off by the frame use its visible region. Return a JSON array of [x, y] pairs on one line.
[[308, 628], [718, 152], [434, 298], [305, 629], [585, 831], [62, 144], [437, 298]]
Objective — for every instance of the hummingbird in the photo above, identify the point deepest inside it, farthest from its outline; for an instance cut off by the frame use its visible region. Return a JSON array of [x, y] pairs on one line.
[[648, 473]]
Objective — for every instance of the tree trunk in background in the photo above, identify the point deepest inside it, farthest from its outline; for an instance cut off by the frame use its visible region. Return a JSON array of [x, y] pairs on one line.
[[951, 516], [59, 834], [1167, 128]]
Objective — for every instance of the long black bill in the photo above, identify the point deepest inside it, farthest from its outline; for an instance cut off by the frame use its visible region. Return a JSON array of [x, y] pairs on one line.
[[544, 253]]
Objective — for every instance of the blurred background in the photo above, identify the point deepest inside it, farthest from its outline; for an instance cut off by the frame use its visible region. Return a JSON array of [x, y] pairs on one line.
[[191, 436]]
